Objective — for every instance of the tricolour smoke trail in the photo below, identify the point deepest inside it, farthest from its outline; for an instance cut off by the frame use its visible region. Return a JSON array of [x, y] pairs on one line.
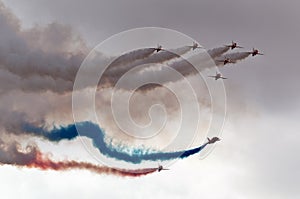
[[33, 158], [92, 131]]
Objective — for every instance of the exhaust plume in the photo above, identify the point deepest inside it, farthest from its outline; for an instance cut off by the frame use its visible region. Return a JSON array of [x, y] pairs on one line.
[[216, 52], [96, 134], [31, 157], [238, 56]]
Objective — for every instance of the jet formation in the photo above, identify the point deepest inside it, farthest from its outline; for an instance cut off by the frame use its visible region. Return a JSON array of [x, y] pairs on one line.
[[227, 60]]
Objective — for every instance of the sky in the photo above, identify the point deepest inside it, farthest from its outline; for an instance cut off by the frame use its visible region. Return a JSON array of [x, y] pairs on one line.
[[256, 157]]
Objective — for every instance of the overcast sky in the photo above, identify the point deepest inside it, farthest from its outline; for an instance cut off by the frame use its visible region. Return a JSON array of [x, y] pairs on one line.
[[257, 157]]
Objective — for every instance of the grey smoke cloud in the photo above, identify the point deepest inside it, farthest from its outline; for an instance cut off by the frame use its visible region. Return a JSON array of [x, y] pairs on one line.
[[11, 153], [40, 58], [47, 58]]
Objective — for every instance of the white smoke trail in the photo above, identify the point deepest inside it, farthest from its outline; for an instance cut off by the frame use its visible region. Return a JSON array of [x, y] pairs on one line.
[[216, 52], [126, 62], [186, 67], [235, 57]]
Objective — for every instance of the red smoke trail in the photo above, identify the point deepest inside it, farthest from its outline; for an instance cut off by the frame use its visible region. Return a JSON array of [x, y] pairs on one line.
[[45, 163]]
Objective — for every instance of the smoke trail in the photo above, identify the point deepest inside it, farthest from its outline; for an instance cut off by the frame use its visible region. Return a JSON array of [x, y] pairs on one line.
[[157, 70], [187, 67], [138, 57], [122, 62], [145, 55], [47, 58], [33, 158], [125, 62], [45, 163], [164, 56], [216, 52], [92, 131], [238, 56], [10, 82]]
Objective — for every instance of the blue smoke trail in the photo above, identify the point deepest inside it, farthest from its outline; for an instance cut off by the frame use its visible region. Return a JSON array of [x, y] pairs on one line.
[[96, 134]]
